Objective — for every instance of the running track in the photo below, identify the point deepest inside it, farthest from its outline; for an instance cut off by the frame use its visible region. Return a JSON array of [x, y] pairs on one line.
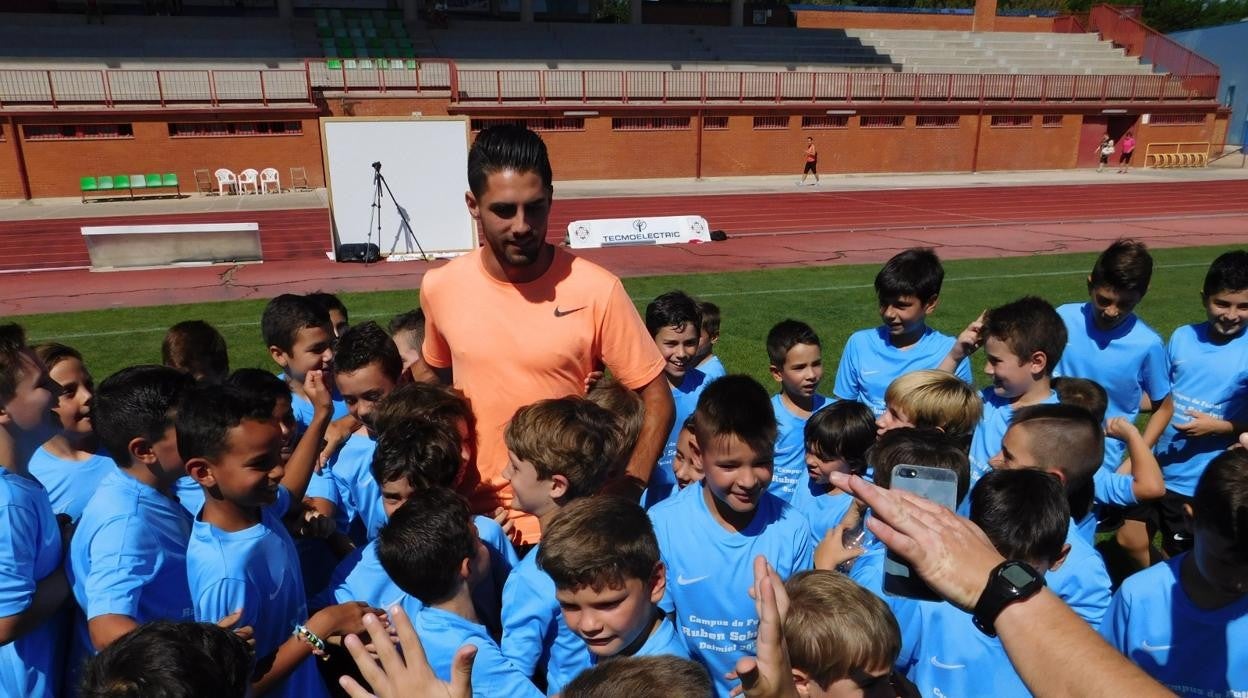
[[802, 228]]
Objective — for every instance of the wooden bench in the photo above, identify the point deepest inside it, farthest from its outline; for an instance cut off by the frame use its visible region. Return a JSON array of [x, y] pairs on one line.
[[116, 246]]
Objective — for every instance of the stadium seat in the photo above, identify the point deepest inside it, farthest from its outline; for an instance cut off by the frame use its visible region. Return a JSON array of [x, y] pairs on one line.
[[104, 183], [269, 177], [87, 184], [121, 181], [153, 181], [170, 179], [333, 64], [137, 182]]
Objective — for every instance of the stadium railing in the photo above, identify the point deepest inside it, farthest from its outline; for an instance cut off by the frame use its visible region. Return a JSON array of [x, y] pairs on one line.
[[1138, 39]]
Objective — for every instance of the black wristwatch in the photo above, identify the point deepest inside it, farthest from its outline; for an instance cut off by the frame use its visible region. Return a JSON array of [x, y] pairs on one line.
[[1009, 581]]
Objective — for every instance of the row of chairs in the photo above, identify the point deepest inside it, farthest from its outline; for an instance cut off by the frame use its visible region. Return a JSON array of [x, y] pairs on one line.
[[248, 181], [109, 185]]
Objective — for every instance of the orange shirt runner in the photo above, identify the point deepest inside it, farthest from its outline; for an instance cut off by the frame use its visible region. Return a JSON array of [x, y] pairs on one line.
[[514, 344]]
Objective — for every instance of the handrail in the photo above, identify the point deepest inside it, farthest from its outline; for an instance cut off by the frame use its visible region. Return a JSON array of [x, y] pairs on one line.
[[1069, 24], [1138, 39]]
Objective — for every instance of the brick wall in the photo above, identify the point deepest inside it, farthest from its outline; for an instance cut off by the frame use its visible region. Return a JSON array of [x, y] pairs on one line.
[[1035, 147], [819, 19], [10, 182], [54, 166]]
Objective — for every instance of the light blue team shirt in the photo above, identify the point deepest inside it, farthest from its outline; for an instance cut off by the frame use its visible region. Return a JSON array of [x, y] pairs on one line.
[[30, 550], [361, 577], [1193, 651], [664, 641], [944, 654], [1109, 488], [713, 368], [347, 481], [303, 410], [1082, 581], [535, 636], [663, 479], [823, 511], [255, 569], [190, 495], [1128, 361], [710, 568], [1209, 378], [789, 470], [127, 557], [70, 483], [868, 569], [986, 441], [442, 633], [870, 363]]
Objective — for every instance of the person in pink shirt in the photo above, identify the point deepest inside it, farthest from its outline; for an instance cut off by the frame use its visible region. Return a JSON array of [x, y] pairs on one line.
[[1128, 147]]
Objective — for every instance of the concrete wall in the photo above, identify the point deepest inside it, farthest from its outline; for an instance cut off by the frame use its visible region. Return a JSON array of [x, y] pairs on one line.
[[820, 19], [1224, 45]]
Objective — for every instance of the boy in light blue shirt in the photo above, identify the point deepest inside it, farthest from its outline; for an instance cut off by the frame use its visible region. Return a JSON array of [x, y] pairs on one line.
[[1108, 343], [430, 548], [1067, 442], [300, 338], [558, 451], [71, 463], [1208, 402], [908, 290], [367, 367], [710, 533], [674, 322], [705, 359], [797, 365], [32, 584], [1023, 341], [1184, 620], [240, 555], [127, 559], [1024, 515], [837, 439], [604, 559]]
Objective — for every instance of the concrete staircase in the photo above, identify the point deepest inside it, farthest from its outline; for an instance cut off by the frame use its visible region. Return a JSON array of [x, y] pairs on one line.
[[927, 51]]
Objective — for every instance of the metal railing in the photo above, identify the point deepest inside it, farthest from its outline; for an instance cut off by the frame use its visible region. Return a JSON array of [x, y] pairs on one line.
[[381, 75], [722, 87], [163, 88], [1138, 39]]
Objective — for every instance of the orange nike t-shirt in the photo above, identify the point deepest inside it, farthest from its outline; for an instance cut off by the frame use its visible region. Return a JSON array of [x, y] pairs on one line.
[[513, 344]]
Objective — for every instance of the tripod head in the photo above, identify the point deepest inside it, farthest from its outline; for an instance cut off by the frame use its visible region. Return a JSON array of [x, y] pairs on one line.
[[377, 167]]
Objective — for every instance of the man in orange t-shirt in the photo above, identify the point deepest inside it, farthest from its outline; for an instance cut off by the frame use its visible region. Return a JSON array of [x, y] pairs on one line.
[[520, 320], [812, 162]]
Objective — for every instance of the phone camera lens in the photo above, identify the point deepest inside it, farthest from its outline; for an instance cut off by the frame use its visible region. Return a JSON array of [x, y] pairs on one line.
[[908, 472]]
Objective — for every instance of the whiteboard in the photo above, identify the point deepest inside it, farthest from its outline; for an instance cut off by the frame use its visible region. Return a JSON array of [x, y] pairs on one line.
[[425, 162]]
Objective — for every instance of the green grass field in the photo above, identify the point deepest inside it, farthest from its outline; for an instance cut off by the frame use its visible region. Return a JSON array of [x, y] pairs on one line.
[[836, 300]]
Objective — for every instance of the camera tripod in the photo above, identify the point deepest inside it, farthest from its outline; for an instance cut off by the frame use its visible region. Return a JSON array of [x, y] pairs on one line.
[[405, 227]]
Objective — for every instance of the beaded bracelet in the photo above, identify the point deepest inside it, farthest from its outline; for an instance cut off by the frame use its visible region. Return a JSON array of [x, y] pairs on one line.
[[317, 644]]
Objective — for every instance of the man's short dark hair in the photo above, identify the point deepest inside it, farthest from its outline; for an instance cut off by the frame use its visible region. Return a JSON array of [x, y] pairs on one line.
[[1229, 272], [1125, 265], [1024, 513], [425, 541], [198, 348], [598, 542], [163, 658], [1082, 392], [260, 383], [845, 429], [411, 321], [364, 344], [136, 402], [507, 147], [710, 317], [1069, 439], [1028, 325], [423, 453], [642, 677], [785, 335], [209, 411], [1221, 499], [915, 272], [673, 309], [736, 405], [930, 447], [285, 315]]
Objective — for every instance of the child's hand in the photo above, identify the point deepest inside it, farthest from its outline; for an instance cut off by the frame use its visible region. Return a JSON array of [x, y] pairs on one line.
[[316, 525], [768, 675], [317, 392], [1119, 428], [502, 517], [336, 434], [592, 379], [245, 632], [344, 618], [406, 674], [971, 338], [1201, 425], [831, 551]]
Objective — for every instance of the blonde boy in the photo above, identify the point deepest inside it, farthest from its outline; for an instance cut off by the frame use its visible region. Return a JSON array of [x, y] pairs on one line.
[[932, 399]]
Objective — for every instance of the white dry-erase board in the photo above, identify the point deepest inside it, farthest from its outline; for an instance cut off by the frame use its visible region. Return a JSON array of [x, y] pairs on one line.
[[425, 162]]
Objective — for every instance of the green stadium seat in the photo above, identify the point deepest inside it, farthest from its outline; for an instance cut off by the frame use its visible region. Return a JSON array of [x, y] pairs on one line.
[[343, 43], [333, 64], [104, 183], [366, 64], [87, 184], [348, 52], [404, 42], [137, 182], [408, 52], [153, 180], [352, 64], [331, 52], [170, 179], [374, 43], [121, 181], [411, 64]]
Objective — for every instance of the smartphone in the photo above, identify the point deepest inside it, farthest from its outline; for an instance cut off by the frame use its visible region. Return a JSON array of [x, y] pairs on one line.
[[938, 485]]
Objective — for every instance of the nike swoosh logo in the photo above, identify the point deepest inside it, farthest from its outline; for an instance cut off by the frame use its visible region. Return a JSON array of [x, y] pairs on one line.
[[941, 665], [869, 373], [561, 313], [683, 581], [1153, 648]]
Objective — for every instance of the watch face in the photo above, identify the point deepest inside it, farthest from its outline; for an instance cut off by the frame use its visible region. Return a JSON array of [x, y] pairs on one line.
[[1017, 575]]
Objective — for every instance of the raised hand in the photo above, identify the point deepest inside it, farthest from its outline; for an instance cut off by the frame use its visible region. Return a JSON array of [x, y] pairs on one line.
[[406, 675]]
